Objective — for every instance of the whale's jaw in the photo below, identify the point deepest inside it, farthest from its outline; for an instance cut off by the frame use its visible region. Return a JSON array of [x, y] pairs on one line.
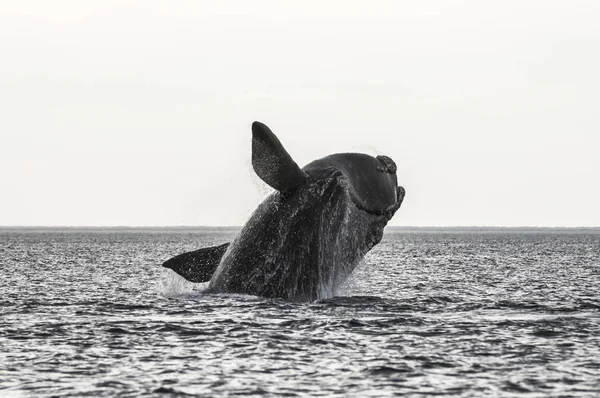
[[389, 211]]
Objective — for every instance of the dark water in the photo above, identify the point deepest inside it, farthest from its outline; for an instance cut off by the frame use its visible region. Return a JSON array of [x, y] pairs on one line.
[[459, 314]]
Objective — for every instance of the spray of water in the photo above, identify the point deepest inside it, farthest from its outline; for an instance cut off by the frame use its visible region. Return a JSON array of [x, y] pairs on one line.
[[342, 245], [325, 254], [173, 285]]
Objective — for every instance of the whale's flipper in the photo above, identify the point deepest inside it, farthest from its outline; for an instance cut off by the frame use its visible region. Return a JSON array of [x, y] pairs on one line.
[[197, 266], [271, 161]]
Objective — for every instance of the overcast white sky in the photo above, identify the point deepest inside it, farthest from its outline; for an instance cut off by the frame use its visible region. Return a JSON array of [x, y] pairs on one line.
[[139, 112]]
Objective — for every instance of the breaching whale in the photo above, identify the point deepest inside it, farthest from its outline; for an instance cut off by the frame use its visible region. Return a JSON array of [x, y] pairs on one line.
[[307, 237]]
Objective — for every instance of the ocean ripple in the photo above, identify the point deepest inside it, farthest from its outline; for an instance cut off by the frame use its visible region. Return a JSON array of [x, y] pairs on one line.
[[92, 313]]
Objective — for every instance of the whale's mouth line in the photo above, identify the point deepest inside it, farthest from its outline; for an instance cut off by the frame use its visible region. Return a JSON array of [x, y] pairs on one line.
[[389, 211], [360, 207]]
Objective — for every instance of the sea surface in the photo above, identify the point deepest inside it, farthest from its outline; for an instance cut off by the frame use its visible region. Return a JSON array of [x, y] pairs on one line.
[[467, 313]]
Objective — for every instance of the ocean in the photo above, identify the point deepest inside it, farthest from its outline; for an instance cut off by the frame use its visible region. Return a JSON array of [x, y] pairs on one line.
[[445, 312]]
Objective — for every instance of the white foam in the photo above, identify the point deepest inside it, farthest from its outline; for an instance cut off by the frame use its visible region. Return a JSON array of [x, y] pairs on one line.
[[172, 285]]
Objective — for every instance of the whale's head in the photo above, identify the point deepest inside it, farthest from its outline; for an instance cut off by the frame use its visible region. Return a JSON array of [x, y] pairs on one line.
[[372, 181]]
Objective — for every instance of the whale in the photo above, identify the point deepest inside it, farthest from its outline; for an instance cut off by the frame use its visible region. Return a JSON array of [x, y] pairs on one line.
[[307, 237]]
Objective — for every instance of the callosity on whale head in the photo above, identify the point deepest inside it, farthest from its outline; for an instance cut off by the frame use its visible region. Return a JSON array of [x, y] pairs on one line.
[[307, 237]]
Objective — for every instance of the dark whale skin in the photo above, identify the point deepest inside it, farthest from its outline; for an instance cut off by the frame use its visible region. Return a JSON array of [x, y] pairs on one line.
[[301, 245], [307, 237]]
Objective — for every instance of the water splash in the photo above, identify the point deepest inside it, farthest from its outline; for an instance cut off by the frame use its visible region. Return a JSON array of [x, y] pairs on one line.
[[351, 285], [173, 285]]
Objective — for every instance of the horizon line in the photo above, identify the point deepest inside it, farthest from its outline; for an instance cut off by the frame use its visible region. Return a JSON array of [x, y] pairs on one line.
[[240, 226]]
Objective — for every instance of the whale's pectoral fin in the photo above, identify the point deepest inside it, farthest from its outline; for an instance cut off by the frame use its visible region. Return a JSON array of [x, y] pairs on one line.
[[197, 266], [271, 161]]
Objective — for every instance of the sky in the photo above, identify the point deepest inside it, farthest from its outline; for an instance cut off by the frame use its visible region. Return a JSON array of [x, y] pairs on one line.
[[139, 112]]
